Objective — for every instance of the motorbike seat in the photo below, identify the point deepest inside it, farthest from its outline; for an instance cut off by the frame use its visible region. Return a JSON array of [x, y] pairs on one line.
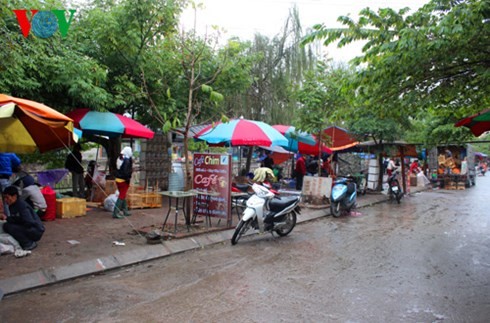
[[281, 203], [351, 187], [242, 187]]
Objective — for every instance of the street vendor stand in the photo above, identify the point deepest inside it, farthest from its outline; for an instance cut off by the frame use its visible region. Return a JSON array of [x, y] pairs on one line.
[[396, 149], [453, 166]]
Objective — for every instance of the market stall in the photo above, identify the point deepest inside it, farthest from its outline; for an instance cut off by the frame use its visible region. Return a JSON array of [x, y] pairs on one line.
[[452, 166]]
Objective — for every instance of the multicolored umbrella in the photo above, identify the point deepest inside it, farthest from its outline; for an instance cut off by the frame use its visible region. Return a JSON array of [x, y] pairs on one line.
[[108, 124], [301, 142], [242, 132], [477, 123], [27, 126]]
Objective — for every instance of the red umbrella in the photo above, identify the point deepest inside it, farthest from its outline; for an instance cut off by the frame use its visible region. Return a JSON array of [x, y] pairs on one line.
[[306, 149], [477, 123], [108, 124]]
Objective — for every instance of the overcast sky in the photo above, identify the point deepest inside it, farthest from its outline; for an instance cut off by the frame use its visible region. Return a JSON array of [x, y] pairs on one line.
[[245, 18]]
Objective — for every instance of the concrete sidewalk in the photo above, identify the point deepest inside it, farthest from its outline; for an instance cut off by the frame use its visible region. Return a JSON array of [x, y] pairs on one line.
[[82, 246]]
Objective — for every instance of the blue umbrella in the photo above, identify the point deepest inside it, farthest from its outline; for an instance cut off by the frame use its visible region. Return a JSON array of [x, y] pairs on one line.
[[296, 138]]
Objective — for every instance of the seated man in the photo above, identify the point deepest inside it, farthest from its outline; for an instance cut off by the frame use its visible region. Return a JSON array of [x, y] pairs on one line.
[[30, 192], [22, 223]]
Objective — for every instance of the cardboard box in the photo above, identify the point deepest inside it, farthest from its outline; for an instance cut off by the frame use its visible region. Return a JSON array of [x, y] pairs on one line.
[[98, 194], [441, 159], [450, 162], [110, 187], [70, 207], [413, 180]]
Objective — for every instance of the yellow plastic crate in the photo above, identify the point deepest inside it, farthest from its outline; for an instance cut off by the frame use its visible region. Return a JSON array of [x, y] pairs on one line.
[[70, 207]]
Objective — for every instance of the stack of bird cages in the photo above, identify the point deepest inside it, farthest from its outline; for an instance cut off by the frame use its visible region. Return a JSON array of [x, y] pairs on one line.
[[135, 201], [140, 197], [454, 182], [152, 200]]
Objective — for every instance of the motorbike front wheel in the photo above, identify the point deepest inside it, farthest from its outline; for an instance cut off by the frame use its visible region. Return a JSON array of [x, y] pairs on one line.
[[240, 229], [335, 209], [285, 229], [397, 192]]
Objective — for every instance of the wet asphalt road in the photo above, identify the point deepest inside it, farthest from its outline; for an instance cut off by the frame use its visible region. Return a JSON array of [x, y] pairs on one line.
[[425, 260]]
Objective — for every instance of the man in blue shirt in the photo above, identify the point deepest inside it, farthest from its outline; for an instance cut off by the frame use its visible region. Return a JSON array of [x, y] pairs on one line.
[[8, 162]]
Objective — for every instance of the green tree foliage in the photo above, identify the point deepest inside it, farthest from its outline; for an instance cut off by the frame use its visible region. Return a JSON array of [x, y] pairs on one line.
[[276, 68], [122, 36], [323, 98], [434, 60], [279, 66], [51, 70], [433, 130], [199, 70]]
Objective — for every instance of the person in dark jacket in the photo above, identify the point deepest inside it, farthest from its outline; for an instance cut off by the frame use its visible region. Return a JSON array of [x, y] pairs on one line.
[[268, 161], [23, 223], [74, 164], [8, 162], [124, 171]]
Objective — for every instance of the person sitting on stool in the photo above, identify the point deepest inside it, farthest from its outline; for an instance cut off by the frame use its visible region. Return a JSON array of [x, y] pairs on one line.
[[22, 223], [30, 191]]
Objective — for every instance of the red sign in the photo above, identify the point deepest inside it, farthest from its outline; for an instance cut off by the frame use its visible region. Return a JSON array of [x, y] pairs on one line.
[[212, 173]]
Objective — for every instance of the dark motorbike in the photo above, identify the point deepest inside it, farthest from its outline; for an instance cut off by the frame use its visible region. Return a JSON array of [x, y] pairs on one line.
[[394, 189]]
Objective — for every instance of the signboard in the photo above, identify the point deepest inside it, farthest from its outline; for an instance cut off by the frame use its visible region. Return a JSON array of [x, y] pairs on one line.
[[317, 186], [212, 173]]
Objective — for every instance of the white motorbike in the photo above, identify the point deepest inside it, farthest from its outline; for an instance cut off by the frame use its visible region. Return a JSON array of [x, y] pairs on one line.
[[268, 212]]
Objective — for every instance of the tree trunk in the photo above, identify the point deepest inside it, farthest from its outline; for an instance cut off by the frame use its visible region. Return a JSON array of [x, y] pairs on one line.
[[187, 167]]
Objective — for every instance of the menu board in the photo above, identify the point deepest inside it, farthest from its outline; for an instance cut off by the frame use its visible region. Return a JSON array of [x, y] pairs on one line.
[[212, 173]]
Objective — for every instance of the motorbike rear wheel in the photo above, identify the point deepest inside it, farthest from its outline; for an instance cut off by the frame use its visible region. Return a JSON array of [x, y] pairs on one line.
[[398, 197], [335, 209], [240, 229], [290, 220]]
